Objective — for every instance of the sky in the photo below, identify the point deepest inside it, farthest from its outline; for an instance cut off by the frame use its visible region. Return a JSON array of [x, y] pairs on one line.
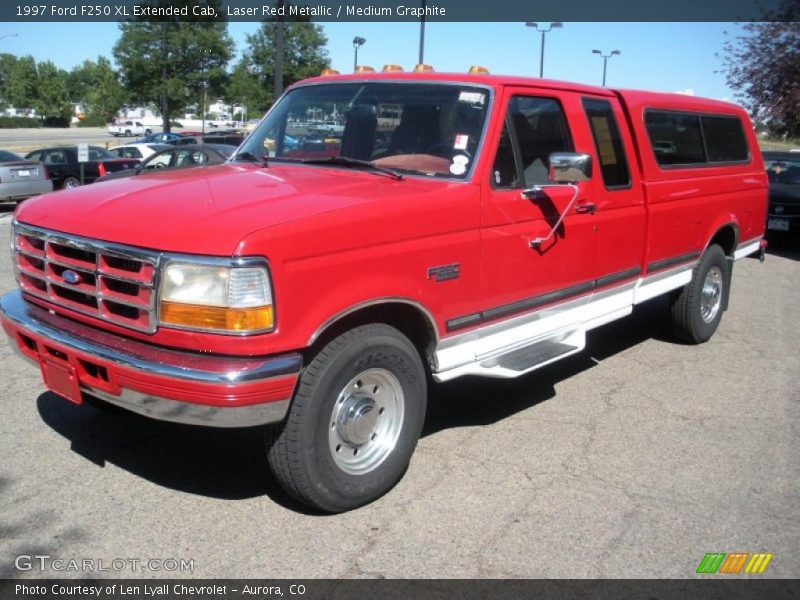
[[669, 57]]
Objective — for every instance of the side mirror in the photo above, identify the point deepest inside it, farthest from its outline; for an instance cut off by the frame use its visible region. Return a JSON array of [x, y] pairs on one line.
[[570, 167]]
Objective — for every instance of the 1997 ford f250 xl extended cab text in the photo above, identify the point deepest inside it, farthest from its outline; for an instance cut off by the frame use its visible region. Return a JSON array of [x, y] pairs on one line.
[[464, 224]]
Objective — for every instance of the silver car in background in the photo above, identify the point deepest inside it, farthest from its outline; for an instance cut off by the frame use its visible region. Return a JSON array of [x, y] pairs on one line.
[[20, 178]]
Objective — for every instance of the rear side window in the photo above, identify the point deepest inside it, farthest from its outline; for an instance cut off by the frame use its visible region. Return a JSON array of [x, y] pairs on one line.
[[687, 139], [608, 143], [676, 138], [725, 140]]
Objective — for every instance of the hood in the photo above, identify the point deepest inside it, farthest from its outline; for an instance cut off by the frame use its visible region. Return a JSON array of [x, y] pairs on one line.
[[201, 211]]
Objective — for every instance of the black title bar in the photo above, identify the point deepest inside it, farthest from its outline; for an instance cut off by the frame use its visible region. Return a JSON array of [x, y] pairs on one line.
[[400, 10]]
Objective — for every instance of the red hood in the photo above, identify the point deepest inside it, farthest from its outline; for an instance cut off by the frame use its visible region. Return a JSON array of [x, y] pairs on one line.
[[201, 211]]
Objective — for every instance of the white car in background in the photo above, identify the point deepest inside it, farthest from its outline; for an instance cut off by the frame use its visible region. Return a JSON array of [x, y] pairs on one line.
[[129, 128], [139, 151]]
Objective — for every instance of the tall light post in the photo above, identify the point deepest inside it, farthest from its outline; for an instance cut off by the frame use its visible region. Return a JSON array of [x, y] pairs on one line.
[[605, 61], [357, 43], [543, 31], [421, 60]]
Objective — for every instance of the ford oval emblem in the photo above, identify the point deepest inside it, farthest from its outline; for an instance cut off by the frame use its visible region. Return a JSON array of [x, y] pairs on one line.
[[71, 277]]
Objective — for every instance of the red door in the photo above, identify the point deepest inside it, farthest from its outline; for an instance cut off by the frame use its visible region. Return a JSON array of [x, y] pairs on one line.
[[515, 277], [616, 191]]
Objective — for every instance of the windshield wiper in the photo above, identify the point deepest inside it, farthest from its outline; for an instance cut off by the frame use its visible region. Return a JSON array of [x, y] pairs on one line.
[[249, 157], [344, 161]]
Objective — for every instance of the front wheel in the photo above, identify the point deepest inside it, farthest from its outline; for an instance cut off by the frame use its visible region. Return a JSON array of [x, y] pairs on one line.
[[354, 421], [696, 309]]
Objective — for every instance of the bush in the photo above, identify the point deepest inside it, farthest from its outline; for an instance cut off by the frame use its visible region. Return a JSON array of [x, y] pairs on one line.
[[56, 122], [14, 122], [92, 121]]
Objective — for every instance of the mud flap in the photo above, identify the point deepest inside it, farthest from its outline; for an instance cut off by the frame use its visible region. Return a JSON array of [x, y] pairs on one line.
[[728, 277]]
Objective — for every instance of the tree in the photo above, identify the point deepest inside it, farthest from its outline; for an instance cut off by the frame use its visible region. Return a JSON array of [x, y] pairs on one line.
[[166, 63], [96, 86], [243, 87], [304, 53], [18, 78], [763, 67], [52, 98]]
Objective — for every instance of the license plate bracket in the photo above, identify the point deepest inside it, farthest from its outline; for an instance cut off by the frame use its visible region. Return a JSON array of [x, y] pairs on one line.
[[778, 224], [61, 378]]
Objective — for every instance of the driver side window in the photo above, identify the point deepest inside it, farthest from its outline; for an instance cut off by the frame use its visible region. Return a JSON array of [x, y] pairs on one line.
[[535, 128], [159, 161]]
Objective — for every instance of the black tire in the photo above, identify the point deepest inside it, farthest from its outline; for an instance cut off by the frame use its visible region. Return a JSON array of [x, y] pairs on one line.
[[70, 182], [689, 323], [300, 450], [147, 132], [127, 132]]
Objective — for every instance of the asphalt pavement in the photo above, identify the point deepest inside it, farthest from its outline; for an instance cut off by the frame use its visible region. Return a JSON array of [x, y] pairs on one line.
[[632, 459]]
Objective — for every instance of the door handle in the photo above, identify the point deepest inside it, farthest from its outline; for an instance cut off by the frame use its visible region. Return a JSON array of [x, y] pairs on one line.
[[585, 207]]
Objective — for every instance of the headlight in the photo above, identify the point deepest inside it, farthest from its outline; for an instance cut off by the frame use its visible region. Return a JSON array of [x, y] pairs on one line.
[[210, 297]]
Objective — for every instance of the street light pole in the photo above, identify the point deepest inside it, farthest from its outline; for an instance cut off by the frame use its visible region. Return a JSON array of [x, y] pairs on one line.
[[421, 60], [543, 31], [605, 61], [357, 43]]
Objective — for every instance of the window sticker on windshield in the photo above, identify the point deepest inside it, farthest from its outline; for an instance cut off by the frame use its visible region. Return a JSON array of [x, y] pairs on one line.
[[472, 97], [461, 142], [459, 166]]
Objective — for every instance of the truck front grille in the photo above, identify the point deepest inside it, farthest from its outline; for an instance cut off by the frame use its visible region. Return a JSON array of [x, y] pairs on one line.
[[111, 282]]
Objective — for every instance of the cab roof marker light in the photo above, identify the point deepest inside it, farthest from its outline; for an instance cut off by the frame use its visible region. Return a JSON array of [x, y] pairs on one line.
[[421, 68], [392, 69], [478, 70], [327, 72], [364, 69]]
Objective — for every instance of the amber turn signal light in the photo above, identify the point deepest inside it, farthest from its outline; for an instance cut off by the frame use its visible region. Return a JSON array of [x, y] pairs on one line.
[[216, 317]]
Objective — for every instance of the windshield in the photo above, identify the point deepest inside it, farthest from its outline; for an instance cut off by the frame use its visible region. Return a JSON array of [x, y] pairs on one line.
[[97, 153], [425, 129]]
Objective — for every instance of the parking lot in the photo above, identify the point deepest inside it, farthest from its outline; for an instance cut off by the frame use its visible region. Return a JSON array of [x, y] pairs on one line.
[[632, 459]]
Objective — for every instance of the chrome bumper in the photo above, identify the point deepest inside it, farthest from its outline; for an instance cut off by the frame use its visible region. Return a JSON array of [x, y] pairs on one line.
[[144, 361]]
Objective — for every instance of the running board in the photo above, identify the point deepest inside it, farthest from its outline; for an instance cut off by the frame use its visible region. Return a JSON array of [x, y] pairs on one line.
[[522, 360]]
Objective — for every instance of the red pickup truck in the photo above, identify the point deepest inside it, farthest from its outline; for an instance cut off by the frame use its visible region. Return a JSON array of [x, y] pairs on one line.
[[467, 224]]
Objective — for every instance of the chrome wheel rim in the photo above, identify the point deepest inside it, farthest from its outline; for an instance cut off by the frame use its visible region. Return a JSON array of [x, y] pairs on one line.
[[366, 421], [711, 296]]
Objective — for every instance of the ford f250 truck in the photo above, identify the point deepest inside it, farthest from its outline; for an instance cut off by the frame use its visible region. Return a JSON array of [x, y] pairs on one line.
[[467, 224]]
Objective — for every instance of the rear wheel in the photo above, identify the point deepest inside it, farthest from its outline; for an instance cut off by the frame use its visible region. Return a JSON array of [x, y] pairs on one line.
[[354, 421], [147, 131], [70, 182], [697, 309], [127, 132]]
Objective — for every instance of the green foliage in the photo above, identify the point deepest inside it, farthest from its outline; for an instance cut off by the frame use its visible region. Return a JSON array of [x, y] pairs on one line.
[[96, 86], [18, 80], [92, 121], [165, 63], [16, 122], [52, 98], [763, 67], [244, 88], [304, 56]]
